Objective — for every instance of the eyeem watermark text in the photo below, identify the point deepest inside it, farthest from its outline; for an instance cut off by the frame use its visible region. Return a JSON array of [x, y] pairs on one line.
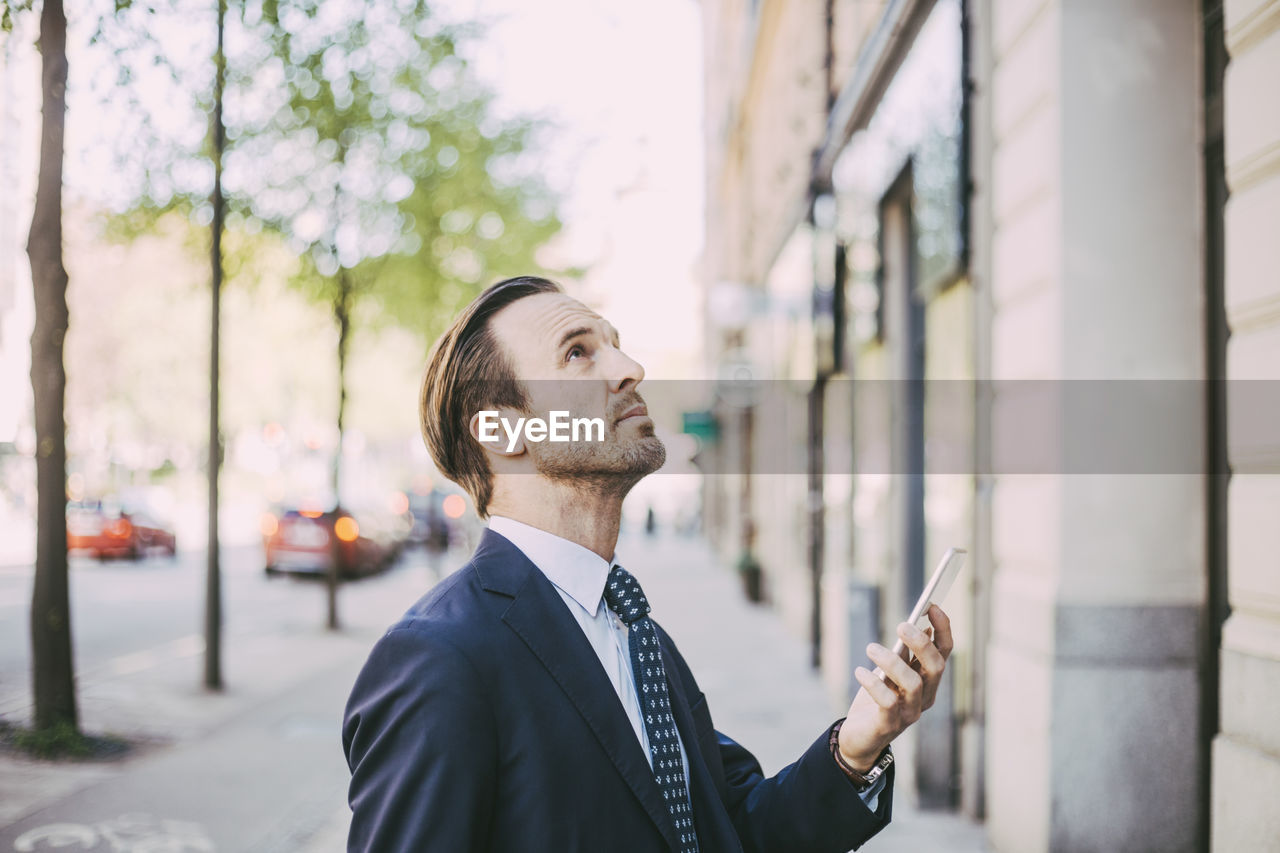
[[559, 427]]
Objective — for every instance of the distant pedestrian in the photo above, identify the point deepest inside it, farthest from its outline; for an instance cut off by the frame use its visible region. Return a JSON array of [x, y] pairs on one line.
[[530, 702], [651, 522]]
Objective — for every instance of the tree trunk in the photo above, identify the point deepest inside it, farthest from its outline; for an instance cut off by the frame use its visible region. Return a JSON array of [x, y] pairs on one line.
[[342, 313], [213, 577], [52, 671]]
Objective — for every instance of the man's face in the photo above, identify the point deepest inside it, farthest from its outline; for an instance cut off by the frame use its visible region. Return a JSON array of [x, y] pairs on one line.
[[568, 358]]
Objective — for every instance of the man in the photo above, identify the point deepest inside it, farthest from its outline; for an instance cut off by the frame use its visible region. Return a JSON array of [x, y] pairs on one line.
[[529, 702]]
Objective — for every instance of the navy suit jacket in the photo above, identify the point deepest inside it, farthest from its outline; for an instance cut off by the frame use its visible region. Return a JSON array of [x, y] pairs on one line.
[[483, 721]]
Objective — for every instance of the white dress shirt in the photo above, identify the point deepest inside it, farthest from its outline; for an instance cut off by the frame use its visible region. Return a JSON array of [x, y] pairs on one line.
[[579, 575]]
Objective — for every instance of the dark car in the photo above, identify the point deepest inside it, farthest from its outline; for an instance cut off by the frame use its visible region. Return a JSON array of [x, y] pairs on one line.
[[105, 529], [305, 541], [432, 528]]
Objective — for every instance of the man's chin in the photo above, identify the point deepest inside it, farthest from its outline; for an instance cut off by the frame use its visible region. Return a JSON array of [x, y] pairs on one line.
[[637, 457], [628, 460], [653, 453]]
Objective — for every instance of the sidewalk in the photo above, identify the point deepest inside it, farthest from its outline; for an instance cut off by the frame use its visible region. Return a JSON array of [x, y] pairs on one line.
[[257, 767], [756, 675], [757, 679]]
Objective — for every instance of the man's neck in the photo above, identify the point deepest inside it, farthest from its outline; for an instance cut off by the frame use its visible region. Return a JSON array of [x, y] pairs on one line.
[[583, 516]]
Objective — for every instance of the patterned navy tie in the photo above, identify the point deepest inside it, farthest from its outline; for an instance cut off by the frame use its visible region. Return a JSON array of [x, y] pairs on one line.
[[623, 595]]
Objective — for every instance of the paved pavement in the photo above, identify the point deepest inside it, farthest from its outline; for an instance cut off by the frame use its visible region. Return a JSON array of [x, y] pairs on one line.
[[129, 616], [259, 768], [760, 688]]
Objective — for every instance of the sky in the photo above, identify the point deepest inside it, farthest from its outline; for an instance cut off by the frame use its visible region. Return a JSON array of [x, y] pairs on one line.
[[622, 84]]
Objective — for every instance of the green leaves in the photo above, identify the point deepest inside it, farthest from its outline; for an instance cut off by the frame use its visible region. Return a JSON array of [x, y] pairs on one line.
[[7, 10], [381, 154], [357, 131]]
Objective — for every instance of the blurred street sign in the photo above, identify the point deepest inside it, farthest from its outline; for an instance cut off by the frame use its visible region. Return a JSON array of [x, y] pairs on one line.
[[701, 424]]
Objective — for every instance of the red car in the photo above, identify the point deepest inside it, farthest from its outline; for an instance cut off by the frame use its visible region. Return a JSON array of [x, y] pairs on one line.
[[105, 530], [303, 542]]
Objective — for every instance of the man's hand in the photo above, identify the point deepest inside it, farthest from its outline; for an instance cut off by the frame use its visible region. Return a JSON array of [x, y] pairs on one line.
[[882, 710]]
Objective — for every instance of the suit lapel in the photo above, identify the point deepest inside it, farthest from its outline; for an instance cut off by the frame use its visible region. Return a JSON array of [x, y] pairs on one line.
[[707, 805], [538, 616]]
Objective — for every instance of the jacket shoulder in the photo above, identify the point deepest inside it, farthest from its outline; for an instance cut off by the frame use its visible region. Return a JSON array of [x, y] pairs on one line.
[[454, 610], [441, 638]]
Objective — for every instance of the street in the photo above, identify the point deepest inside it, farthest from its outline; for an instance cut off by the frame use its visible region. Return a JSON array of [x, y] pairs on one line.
[[129, 616], [256, 767]]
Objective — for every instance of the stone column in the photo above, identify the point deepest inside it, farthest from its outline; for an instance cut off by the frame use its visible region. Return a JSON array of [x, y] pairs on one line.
[[1246, 752], [1096, 273]]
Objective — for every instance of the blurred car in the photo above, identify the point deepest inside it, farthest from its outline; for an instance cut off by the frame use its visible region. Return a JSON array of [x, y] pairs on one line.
[[105, 529], [432, 528], [304, 541]]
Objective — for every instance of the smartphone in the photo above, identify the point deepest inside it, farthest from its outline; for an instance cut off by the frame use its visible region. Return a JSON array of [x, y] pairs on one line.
[[934, 593]]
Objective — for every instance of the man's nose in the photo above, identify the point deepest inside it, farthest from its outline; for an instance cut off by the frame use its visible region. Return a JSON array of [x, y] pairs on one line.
[[622, 370]]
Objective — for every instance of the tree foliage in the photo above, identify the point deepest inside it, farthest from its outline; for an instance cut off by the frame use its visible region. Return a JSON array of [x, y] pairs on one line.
[[359, 131], [9, 8]]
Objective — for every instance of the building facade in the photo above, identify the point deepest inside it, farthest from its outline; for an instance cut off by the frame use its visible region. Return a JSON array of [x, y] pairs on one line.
[[1011, 265]]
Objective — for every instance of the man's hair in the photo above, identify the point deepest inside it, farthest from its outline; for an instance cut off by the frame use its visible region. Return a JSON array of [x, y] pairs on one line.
[[468, 370]]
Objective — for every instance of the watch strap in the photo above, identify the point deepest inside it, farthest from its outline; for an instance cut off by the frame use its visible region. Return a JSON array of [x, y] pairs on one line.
[[861, 781]]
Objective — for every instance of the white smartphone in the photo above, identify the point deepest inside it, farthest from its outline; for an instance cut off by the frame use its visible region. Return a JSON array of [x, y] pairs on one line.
[[934, 593]]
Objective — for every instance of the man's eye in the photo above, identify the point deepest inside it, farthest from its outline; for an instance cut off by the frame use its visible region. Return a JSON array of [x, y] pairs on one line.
[[574, 351]]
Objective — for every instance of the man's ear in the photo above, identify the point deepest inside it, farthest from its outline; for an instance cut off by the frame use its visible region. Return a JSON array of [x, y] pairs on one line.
[[488, 427]]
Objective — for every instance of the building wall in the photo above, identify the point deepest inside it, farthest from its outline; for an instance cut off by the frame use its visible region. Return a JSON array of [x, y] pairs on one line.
[[1096, 273], [767, 92], [766, 99], [766, 108], [1246, 753], [766, 87], [852, 21], [1083, 679]]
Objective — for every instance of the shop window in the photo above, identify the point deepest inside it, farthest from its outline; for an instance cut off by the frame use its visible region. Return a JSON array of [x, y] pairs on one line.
[[919, 121]]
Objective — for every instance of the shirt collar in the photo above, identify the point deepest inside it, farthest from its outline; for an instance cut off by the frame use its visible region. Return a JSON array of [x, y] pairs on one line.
[[578, 571]]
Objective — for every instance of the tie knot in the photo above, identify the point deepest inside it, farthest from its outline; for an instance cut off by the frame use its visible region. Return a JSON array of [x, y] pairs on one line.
[[623, 595]]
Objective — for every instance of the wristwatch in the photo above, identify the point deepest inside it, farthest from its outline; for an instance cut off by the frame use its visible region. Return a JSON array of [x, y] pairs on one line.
[[861, 781]]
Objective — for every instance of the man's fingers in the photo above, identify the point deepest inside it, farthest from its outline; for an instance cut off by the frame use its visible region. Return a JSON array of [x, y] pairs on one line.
[[941, 630], [880, 693], [897, 670], [932, 663]]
